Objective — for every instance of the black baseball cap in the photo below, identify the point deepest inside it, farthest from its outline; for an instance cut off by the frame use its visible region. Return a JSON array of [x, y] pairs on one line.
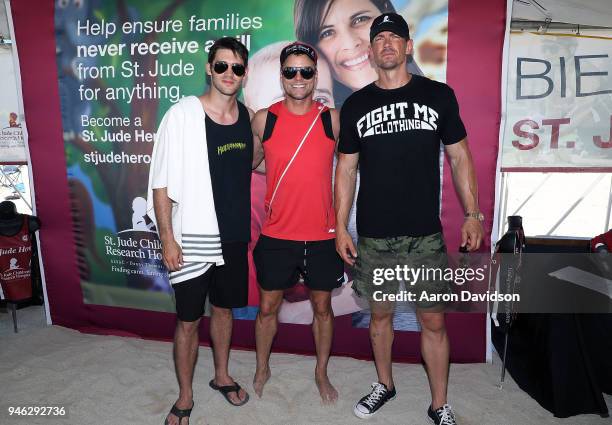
[[298, 48], [390, 22]]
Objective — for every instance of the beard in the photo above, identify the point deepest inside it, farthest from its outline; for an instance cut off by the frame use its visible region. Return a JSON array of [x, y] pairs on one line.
[[391, 63]]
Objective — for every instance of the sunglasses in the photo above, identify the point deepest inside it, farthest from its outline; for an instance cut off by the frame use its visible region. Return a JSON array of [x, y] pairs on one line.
[[307, 72], [220, 67]]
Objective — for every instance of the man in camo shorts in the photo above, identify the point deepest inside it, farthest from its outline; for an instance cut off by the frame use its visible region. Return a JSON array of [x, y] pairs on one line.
[[421, 262], [392, 129]]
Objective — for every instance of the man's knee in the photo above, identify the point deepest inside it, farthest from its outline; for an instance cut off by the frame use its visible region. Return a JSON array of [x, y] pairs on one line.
[[221, 313], [322, 309], [381, 317], [187, 328], [268, 308], [432, 322], [381, 312]]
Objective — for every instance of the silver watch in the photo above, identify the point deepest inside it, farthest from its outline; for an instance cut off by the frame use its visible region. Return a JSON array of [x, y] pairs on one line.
[[475, 215]]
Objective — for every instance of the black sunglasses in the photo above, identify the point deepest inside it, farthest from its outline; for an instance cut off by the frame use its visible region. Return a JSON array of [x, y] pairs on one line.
[[220, 67], [307, 72]]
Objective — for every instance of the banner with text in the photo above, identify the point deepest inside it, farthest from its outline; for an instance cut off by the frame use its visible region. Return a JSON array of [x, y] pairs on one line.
[[82, 238], [558, 102], [121, 65]]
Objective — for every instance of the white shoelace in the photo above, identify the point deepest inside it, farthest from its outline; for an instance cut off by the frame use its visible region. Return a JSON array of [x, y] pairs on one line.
[[446, 415], [378, 391]]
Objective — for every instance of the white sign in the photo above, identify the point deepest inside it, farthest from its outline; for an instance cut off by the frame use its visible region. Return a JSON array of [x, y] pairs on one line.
[[12, 148], [558, 102]]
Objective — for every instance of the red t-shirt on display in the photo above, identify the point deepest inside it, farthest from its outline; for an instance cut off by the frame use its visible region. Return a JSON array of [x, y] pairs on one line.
[[15, 262]]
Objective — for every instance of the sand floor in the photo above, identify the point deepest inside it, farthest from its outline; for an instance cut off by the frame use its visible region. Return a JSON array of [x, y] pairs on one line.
[[114, 380]]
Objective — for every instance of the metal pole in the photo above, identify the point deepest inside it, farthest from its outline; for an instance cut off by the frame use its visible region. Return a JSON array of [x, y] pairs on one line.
[[503, 371], [607, 223], [14, 313], [502, 217]]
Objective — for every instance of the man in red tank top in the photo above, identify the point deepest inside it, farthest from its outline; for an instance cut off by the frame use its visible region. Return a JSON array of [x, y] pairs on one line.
[[298, 137]]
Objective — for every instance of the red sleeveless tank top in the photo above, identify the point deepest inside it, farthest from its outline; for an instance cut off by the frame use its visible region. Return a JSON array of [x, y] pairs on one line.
[[302, 209]]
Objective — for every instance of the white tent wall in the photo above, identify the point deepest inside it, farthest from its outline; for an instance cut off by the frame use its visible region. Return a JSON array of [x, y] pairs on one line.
[[6, 24], [581, 12], [4, 28]]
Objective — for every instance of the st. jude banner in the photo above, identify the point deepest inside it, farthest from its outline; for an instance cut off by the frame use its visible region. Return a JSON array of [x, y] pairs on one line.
[[121, 66], [558, 102]]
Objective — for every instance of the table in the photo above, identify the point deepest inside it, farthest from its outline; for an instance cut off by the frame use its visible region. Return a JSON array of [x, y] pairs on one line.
[[563, 361]]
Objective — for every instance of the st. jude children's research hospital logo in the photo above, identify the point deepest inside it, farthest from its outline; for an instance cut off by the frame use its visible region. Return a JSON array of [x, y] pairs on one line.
[[15, 271], [394, 118]]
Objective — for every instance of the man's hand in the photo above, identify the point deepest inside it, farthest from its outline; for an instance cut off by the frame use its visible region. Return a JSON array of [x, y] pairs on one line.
[[471, 234], [172, 255], [345, 247]]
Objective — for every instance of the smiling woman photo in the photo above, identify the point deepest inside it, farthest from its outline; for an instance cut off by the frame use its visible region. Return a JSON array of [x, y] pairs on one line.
[[340, 30]]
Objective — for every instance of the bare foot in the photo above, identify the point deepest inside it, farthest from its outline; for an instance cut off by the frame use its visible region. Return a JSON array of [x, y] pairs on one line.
[[329, 395], [260, 379], [229, 381], [181, 405]]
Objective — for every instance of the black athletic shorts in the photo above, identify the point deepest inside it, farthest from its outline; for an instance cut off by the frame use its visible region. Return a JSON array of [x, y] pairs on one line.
[[227, 285], [280, 263]]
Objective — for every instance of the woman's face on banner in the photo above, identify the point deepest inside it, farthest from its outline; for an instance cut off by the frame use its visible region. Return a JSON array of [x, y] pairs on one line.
[[344, 39]]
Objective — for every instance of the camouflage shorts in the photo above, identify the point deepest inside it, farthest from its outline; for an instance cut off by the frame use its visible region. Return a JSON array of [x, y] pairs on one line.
[[410, 259]]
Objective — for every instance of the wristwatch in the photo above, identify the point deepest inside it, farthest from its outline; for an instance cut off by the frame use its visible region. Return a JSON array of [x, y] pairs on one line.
[[475, 215]]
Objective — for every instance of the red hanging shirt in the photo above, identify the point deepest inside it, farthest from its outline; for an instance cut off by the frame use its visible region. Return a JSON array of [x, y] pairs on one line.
[[15, 264]]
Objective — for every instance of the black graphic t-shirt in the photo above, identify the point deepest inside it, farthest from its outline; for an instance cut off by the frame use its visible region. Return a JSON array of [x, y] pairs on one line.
[[230, 156], [397, 134]]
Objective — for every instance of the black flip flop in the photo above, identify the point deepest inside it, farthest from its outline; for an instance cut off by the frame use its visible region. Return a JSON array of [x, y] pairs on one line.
[[180, 414], [225, 390]]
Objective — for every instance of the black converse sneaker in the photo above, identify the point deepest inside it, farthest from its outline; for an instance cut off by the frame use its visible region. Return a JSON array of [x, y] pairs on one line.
[[370, 404], [442, 416]]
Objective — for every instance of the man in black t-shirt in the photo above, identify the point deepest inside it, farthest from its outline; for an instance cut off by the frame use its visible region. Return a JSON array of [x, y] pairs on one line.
[[392, 130], [229, 142]]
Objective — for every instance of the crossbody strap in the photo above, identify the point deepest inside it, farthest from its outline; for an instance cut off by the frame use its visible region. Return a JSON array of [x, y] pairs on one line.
[[293, 157]]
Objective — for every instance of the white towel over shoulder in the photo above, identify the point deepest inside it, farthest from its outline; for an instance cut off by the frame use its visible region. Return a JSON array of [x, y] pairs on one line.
[[180, 163]]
